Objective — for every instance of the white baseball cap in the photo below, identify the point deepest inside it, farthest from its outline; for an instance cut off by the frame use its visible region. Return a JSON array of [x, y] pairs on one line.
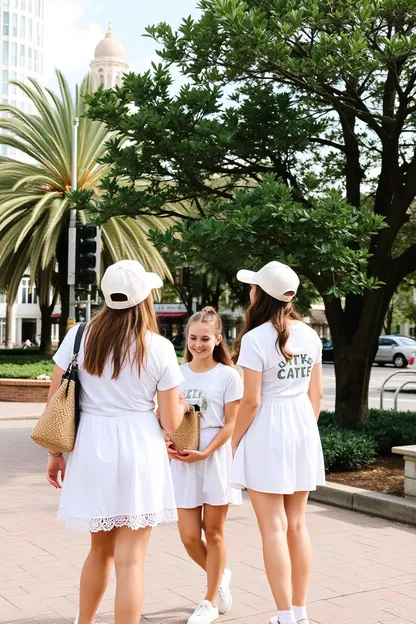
[[129, 278], [274, 278]]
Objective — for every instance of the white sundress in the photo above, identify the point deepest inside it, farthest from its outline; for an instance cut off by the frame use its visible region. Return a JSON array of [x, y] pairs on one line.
[[281, 452], [206, 482], [119, 474]]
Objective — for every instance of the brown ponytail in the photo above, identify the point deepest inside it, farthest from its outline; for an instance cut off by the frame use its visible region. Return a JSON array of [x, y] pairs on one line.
[[265, 308], [221, 351]]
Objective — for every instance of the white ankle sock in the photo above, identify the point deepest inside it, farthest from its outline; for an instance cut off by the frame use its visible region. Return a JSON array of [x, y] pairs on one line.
[[287, 617], [300, 613]]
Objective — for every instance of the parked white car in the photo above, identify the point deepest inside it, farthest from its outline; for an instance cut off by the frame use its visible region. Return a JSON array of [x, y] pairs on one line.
[[397, 350]]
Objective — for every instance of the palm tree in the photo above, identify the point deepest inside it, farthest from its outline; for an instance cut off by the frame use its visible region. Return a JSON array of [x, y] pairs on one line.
[[34, 202]]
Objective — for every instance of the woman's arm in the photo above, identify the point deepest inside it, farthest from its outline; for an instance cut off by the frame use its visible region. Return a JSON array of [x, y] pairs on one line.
[[315, 392], [56, 465], [171, 408], [249, 404], [224, 434]]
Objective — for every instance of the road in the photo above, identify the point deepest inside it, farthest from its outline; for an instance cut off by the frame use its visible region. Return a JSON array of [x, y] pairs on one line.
[[407, 399]]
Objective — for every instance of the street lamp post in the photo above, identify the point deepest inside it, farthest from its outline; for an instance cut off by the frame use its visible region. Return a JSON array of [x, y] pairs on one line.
[[72, 232]]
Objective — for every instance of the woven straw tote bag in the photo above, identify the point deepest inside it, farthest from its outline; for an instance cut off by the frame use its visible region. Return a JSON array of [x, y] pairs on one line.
[[186, 436], [57, 427]]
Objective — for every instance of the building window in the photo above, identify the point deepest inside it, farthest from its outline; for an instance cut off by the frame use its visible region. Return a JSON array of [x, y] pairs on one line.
[[13, 88], [6, 22], [14, 24], [22, 27], [30, 29], [5, 52], [6, 3], [5, 82], [36, 61], [29, 59], [29, 6], [101, 80], [22, 56], [28, 292], [37, 12], [15, 4], [3, 297], [23, 5], [14, 54]]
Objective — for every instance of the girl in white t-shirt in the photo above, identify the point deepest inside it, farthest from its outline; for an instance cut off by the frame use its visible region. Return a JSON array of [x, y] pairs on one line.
[[278, 454], [117, 482], [200, 478]]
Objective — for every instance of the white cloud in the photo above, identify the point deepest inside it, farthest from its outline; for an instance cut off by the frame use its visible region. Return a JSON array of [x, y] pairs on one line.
[[69, 46]]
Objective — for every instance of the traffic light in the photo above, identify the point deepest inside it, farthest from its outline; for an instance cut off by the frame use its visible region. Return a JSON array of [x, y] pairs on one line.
[[87, 255]]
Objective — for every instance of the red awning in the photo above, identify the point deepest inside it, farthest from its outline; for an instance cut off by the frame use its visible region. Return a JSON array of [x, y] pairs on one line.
[[171, 314]]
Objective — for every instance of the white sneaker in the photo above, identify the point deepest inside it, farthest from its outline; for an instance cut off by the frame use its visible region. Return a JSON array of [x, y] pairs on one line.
[[205, 613], [224, 597]]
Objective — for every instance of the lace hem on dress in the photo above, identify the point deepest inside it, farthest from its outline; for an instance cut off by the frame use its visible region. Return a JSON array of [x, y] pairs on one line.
[[94, 525]]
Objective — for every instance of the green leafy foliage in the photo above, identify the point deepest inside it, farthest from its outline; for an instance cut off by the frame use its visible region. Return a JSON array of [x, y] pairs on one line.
[[292, 138], [25, 366], [346, 450], [383, 430]]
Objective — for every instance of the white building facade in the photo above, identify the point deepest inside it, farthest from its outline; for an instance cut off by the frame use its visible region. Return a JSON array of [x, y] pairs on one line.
[[21, 47]]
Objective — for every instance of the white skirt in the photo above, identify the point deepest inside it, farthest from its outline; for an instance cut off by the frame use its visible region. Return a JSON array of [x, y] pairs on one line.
[[281, 452], [205, 482], [118, 475]]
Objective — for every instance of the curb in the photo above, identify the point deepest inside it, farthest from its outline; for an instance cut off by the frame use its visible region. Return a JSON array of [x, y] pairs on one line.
[[385, 506]]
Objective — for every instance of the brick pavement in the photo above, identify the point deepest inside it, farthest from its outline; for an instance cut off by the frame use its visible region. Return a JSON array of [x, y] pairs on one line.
[[364, 572]]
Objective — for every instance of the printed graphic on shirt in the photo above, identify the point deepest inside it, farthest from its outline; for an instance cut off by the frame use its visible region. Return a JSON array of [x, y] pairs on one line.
[[299, 366], [197, 397]]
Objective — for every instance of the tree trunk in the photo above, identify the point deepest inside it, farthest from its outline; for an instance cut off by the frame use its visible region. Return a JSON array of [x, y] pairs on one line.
[[355, 330], [352, 373], [46, 330], [388, 322], [9, 322]]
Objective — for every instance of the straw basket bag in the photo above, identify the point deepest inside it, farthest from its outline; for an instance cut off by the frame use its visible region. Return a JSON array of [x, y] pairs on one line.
[[187, 434], [57, 427]]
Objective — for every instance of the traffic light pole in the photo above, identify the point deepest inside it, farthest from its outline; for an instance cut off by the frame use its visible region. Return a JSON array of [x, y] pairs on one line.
[[72, 232]]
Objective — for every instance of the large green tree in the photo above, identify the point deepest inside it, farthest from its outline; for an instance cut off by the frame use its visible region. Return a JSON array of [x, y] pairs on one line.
[[35, 203], [293, 138]]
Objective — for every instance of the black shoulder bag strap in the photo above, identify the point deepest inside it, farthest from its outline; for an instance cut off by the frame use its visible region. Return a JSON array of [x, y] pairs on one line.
[[74, 372]]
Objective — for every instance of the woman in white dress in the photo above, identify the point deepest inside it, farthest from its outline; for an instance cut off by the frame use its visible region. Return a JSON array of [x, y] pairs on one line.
[[117, 482], [200, 477], [276, 445]]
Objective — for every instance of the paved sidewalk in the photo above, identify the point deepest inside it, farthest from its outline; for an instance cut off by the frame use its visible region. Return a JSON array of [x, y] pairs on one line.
[[364, 572], [20, 411]]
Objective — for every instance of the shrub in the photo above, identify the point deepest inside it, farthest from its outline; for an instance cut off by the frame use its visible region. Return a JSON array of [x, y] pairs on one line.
[[25, 366], [390, 428], [346, 450]]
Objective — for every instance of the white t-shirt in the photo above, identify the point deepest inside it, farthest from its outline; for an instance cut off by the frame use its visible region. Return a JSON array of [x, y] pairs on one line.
[[128, 393], [211, 391], [260, 352]]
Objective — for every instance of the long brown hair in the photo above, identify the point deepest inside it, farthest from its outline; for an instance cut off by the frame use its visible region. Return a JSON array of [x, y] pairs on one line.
[[112, 333], [266, 308], [221, 351]]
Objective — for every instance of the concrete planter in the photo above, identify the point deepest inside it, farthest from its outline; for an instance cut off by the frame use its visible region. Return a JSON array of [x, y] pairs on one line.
[[24, 390]]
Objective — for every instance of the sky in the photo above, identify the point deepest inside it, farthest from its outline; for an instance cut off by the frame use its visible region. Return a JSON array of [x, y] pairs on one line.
[[74, 27]]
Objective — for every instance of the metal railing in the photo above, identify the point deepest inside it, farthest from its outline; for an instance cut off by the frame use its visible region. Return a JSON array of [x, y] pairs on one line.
[[399, 389]]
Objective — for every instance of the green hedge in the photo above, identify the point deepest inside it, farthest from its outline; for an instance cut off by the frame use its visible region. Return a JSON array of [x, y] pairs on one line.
[[27, 366], [346, 449]]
